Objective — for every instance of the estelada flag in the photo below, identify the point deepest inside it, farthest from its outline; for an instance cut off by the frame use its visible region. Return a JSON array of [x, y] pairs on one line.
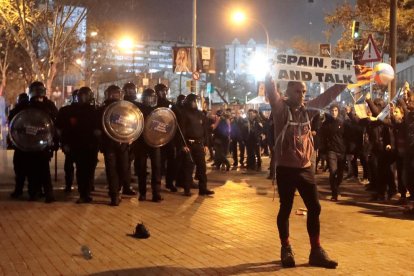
[[364, 76]]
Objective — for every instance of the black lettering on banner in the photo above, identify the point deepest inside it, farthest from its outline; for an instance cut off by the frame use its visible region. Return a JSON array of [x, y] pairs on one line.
[[320, 76], [338, 79], [283, 75], [329, 78], [348, 79], [281, 59], [302, 61], [292, 59], [306, 76], [294, 75], [334, 64]]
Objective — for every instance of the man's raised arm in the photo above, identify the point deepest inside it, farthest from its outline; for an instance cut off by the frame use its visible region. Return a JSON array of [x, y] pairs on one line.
[[271, 92], [327, 97]]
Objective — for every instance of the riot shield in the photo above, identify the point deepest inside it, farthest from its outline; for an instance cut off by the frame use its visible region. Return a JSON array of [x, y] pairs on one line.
[[123, 122], [32, 130], [160, 127]]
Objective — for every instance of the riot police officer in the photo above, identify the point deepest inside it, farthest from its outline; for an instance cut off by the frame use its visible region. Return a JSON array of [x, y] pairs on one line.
[[19, 162], [142, 151], [115, 153], [168, 151], [38, 161], [130, 94], [194, 128], [62, 118], [77, 133]]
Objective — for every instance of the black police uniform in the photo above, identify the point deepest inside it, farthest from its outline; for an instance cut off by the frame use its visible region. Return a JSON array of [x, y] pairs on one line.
[[194, 127], [20, 164], [37, 162], [168, 154], [116, 157], [77, 125], [142, 151], [63, 119]]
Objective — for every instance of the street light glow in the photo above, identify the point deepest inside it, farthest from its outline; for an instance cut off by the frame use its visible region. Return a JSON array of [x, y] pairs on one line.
[[94, 33], [126, 43], [258, 66], [239, 17]]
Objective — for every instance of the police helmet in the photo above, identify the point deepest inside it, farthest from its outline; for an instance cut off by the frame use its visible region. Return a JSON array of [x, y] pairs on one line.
[[85, 95], [130, 91], [37, 89], [149, 97], [191, 101], [23, 97], [113, 92]]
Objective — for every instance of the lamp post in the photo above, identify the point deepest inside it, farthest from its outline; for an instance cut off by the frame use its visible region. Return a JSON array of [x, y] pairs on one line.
[[240, 17]]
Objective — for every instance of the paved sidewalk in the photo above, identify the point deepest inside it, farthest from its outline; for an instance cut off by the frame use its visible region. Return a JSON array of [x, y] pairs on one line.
[[232, 233]]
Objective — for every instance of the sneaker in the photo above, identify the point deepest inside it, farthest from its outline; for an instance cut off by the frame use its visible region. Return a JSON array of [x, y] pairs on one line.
[[187, 193], [287, 256], [142, 198], [318, 257], [206, 193], [334, 198]]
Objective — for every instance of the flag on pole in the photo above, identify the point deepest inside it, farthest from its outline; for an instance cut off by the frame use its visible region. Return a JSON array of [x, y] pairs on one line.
[[364, 76]]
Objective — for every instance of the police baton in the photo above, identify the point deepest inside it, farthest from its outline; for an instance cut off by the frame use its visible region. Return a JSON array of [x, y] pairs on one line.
[[185, 143]]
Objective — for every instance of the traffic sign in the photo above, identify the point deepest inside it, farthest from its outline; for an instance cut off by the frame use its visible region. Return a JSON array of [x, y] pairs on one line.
[[196, 75], [371, 52], [325, 50]]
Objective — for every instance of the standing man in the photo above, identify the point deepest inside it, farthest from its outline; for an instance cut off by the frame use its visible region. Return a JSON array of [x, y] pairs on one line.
[[143, 151], [168, 151], [62, 118], [77, 133], [238, 128], [116, 155], [333, 137], [293, 151], [194, 127], [39, 169]]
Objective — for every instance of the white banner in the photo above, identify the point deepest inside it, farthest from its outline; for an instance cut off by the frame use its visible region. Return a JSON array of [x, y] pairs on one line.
[[314, 69]]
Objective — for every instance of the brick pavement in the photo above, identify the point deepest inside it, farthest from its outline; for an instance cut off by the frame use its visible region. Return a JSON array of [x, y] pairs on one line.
[[233, 233]]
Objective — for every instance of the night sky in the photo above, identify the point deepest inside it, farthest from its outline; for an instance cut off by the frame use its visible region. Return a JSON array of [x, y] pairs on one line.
[[171, 19]]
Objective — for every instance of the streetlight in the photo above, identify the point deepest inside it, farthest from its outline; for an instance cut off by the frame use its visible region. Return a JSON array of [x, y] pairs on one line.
[[239, 17], [127, 44]]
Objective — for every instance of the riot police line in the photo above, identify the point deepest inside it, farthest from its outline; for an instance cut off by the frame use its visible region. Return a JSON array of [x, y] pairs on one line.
[[127, 132]]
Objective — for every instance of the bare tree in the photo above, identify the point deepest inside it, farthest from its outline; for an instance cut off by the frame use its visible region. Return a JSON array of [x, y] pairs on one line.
[[44, 30]]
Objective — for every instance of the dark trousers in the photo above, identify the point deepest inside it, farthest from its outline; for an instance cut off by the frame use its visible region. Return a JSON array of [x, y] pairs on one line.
[[168, 164], [198, 156], [20, 166], [39, 173], [254, 159], [336, 163], [85, 160], [386, 182], [303, 179], [234, 149], [117, 168], [222, 149], [69, 169], [142, 152]]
